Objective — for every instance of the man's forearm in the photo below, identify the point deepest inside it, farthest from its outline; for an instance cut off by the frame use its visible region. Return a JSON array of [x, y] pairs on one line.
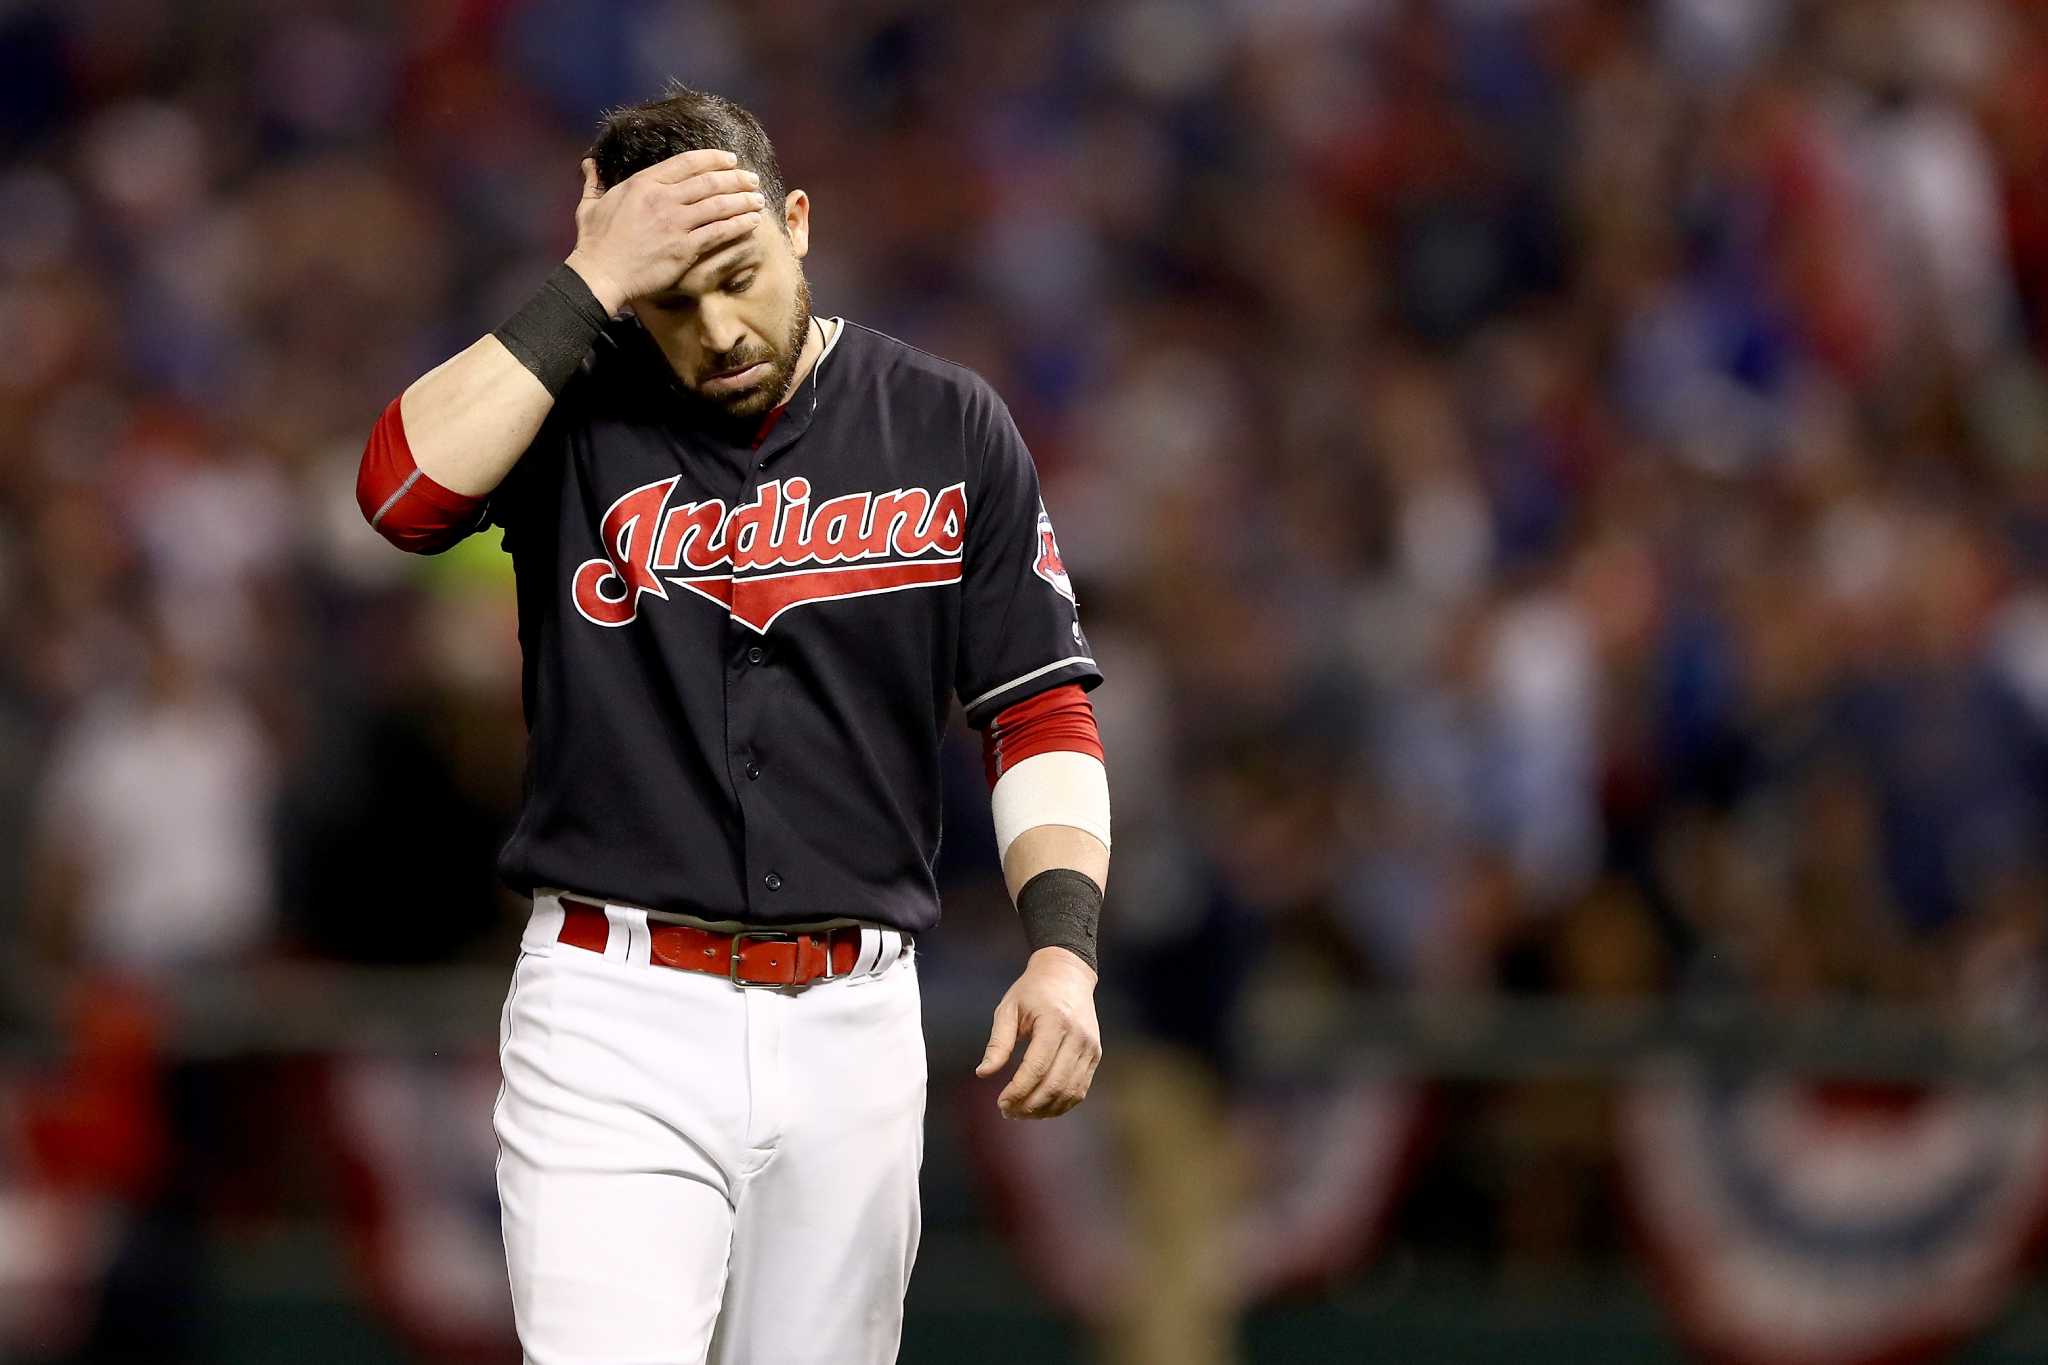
[[1049, 793], [1045, 847], [1056, 875], [470, 418]]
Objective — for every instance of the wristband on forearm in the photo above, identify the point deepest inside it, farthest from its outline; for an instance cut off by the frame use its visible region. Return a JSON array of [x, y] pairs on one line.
[[1061, 908], [553, 331]]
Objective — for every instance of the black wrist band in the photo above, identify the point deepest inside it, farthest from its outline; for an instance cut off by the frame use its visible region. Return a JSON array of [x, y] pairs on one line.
[[1061, 908], [552, 332]]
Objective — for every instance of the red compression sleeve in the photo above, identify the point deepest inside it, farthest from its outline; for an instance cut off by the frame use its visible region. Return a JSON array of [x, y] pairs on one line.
[[1059, 718], [408, 509]]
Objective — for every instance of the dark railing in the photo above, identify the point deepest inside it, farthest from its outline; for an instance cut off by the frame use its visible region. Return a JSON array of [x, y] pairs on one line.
[[287, 1009]]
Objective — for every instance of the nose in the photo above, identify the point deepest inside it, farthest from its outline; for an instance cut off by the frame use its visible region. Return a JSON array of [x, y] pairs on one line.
[[719, 328]]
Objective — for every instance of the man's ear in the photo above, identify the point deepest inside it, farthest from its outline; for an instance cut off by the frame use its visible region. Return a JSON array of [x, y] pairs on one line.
[[796, 222]]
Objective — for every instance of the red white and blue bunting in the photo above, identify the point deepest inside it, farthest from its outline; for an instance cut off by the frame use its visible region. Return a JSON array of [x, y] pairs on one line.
[[1329, 1166], [1794, 1223]]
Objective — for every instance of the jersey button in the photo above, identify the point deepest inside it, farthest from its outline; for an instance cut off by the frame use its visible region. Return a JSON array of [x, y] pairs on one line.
[[753, 772], [773, 881], [756, 654]]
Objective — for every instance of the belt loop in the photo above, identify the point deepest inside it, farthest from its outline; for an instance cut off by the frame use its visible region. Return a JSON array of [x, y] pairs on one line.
[[628, 940], [640, 941], [892, 947], [544, 925], [870, 950]]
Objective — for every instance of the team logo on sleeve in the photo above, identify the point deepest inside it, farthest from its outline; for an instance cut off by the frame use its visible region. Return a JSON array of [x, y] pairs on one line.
[[1048, 564], [762, 558]]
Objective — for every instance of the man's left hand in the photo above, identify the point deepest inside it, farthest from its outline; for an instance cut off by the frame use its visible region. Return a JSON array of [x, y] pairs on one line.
[[1052, 1004]]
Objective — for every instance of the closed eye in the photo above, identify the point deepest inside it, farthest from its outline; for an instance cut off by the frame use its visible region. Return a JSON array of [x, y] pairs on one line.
[[741, 285]]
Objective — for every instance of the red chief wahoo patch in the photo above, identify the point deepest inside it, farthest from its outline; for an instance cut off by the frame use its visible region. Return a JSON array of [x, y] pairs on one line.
[[1048, 565]]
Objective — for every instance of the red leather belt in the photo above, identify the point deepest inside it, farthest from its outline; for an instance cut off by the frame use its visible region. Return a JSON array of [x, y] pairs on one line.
[[751, 957]]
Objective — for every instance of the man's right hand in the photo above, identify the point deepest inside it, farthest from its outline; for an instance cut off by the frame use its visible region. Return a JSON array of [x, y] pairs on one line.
[[647, 231]]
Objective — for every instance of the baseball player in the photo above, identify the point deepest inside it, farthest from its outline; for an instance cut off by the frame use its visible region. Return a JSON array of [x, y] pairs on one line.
[[757, 552]]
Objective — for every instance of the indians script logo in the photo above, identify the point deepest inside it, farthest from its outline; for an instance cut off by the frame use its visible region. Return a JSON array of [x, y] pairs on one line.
[[1048, 564], [773, 553]]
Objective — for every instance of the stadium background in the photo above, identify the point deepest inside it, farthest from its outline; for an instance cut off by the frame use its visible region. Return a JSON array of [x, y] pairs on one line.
[[1561, 490]]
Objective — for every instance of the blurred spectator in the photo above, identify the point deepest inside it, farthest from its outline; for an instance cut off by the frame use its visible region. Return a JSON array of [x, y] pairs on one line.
[[153, 857]]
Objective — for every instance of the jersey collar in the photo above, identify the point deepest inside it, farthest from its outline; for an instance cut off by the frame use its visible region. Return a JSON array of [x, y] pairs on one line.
[[799, 408]]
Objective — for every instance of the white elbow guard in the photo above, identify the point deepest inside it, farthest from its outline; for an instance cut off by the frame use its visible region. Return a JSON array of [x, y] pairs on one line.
[[1055, 788]]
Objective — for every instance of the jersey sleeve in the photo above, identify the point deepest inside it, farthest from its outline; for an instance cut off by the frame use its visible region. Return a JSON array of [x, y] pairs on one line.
[[1020, 630]]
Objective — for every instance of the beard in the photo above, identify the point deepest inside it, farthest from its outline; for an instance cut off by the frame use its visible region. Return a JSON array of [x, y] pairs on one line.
[[753, 402]]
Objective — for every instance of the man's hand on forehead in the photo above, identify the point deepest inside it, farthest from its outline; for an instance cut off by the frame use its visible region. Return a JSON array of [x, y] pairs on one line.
[[686, 166], [652, 228]]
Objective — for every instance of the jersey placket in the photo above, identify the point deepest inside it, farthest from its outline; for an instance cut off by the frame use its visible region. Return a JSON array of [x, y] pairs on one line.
[[753, 677], [750, 681]]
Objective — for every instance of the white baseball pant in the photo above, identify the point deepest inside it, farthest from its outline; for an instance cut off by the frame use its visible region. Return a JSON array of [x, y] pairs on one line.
[[691, 1171]]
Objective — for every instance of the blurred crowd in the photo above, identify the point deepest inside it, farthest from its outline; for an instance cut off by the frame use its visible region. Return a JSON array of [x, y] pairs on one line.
[[1573, 474], [1560, 482], [1560, 486]]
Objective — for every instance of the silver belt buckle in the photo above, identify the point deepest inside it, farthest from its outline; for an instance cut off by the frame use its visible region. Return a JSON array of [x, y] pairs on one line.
[[765, 936]]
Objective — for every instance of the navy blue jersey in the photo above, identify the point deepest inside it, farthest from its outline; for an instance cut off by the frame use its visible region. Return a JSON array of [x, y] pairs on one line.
[[739, 660]]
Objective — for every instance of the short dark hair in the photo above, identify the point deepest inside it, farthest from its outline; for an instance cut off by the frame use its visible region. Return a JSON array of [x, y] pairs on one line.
[[635, 136]]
